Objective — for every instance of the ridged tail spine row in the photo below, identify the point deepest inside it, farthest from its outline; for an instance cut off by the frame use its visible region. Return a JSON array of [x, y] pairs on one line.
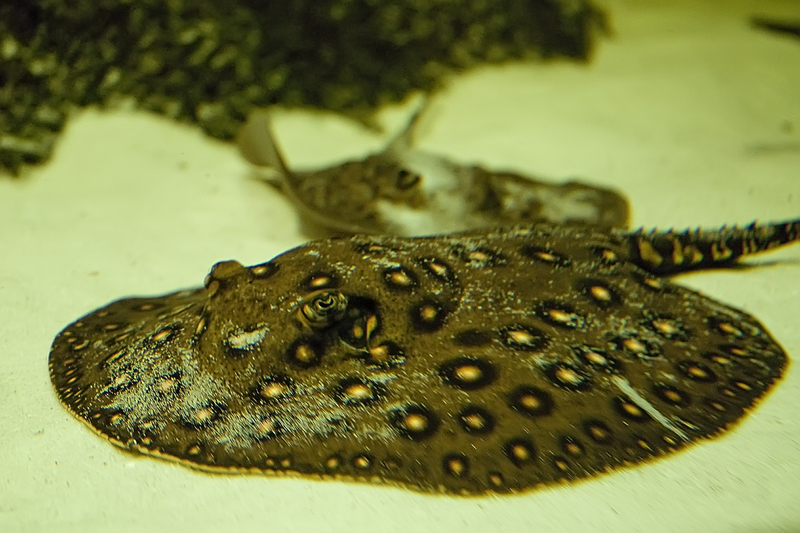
[[665, 253]]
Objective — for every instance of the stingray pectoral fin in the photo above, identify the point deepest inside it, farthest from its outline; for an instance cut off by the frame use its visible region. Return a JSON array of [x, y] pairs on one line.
[[666, 253], [257, 144]]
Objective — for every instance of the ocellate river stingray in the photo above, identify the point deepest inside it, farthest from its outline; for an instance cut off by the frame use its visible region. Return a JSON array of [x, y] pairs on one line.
[[485, 361], [408, 192]]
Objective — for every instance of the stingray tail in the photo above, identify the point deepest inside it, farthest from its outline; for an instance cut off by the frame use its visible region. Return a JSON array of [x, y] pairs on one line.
[[665, 253], [257, 144]]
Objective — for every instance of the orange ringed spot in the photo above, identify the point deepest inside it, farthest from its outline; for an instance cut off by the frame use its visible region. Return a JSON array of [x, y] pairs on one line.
[[161, 335], [415, 422], [730, 329], [496, 480], [474, 421], [632, 409], [362, 462], [428, 313], [600, 293], [560, 316], [596, 358], [456, 466], [529, 401], [274, 389], [665, 326], [398, 277], [634, 345], [673, 396], [697, 372], [521, 453], [320, 282], [304, 353], [568, 375], [573, 449], [468, 373], [521, 337], [357, 391], [439, 270], [598, 432]]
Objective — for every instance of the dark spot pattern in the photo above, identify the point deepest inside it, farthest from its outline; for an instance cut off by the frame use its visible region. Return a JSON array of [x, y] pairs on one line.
[[264, 270], [468, 373], [629, 410], [598, 431], [385, 355], [267, 427], [531, 401], [360, 323], [476, 420], [164, 336], [599, 293], [520, 451], [456, 465], [428, 315], [354, 391], [271, 389], [671, 395], [568, 377], [560, 315], [667, 326], [488, 361], [571, 446], [204, 415], [696, 371], [523, 337], [317, 281], [305, 352], [414, 422], [437, 269], [544, 255], [400, 279], [479, 256], [597, 359], [636, 346]]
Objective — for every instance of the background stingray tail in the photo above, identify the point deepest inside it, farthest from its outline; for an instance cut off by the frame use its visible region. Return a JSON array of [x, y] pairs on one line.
[[669, 252], [257, 144]]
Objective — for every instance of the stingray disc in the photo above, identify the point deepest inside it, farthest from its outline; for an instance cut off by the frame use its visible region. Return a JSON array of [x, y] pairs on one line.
[[486, 361]]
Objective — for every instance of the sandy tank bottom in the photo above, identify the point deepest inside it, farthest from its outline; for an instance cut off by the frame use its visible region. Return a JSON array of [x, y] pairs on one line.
[[687, 110]]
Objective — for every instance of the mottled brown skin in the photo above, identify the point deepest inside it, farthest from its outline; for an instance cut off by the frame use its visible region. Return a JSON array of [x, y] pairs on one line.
[[405, 192], [480, 362]]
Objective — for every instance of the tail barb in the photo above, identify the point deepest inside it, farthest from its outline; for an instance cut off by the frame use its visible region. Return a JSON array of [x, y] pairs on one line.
[[666, 253]]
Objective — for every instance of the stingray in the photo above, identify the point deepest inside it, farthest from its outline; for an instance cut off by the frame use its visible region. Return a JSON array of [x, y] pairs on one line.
[[485, 361], [404, 191]]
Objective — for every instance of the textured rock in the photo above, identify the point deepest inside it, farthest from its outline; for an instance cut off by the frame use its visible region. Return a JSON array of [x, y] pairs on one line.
[[209, 62]]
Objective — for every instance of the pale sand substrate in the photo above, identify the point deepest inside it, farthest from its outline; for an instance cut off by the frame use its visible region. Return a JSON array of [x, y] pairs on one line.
[[688, 111]]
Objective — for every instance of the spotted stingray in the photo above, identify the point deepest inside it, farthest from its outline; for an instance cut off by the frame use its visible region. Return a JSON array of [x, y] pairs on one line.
[[404, 191], [469, 363]]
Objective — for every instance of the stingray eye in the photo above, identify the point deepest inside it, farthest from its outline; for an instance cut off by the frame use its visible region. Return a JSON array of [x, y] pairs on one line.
[[323, 308], [406, 179]]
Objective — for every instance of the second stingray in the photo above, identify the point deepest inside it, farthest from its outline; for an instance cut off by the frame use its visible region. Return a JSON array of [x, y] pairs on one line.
[[407, 192]]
